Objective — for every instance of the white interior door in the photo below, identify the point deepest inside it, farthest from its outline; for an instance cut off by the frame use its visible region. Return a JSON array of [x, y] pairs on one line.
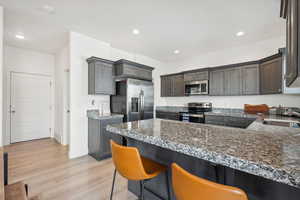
[[30, 107]]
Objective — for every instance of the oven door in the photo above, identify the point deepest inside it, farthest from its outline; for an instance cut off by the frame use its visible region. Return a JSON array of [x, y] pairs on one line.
[[196, 118], [196, 88]]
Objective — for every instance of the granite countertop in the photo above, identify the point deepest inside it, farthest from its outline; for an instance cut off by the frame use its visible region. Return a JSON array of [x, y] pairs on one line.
[[257, 125], [241, 113], [274, 156], [94, 114]]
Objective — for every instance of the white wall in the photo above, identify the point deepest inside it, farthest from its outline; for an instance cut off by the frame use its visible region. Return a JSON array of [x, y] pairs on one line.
[[229, 56], [62, 67], [81, 48], [1, 74], [25, 61]]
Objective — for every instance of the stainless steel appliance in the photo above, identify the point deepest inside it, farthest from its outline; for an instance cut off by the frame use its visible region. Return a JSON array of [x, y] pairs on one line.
[[134, 99], [196, 112], [196, 87]]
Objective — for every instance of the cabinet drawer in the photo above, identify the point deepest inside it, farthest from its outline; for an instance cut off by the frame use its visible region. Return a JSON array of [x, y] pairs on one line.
[[168, 115], [215, 120]]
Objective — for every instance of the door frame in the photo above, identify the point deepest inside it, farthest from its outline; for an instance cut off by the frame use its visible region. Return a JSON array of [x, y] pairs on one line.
[[9, 91]]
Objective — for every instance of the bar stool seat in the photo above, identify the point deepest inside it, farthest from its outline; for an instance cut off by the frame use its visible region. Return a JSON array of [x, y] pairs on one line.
[[189, 187], [152, 168], [132, 166]]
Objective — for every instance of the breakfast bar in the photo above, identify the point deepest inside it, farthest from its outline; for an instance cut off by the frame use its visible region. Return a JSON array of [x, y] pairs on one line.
[[265, 164]]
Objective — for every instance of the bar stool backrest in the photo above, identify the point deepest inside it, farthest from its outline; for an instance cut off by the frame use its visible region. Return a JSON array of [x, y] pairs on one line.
[[189, 187], [128, 162]]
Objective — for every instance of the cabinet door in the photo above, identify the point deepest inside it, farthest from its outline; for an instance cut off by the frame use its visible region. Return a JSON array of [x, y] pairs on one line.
[[271, 76], [292, 42], [177, 85], [94, 138], [104, 83], [216, 83], [167, 86], [250, 80], [232, 82], [162, 86], [107, 136]]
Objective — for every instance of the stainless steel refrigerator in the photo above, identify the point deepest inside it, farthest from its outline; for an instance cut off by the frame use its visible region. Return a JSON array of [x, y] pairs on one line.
[[134, 99]]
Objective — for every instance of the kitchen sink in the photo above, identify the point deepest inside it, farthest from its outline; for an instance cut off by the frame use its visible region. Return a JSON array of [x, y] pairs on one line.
[[283, 123]]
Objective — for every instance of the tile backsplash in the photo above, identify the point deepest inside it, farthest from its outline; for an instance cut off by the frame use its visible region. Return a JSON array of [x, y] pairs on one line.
[[99, 102]]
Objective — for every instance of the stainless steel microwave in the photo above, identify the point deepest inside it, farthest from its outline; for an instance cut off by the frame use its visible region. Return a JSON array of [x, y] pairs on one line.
[[196, 87]]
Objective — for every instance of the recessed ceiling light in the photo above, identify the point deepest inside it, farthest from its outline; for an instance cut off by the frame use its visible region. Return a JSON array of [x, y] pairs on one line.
[[48, 9], [136, 31], [240, 33], [19, 36], [176, 52]]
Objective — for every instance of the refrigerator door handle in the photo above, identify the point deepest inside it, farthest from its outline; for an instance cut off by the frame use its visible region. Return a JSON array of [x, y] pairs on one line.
[[141, 104]]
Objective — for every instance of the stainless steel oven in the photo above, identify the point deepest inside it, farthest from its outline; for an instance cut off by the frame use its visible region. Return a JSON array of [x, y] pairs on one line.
[[196, 87], [196, 112]]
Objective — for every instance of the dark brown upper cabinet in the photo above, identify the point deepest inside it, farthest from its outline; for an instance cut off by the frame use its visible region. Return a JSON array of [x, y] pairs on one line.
[[290, 11], [128, 69], [196, 75], [101, 76], [235, 81], [216, 83], [250, 79], [271, 75], [172, 85]]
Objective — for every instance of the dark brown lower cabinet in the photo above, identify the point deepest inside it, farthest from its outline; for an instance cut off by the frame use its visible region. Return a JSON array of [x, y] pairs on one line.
[[168, 115], [256, 187], [99, 138], [236, 122]]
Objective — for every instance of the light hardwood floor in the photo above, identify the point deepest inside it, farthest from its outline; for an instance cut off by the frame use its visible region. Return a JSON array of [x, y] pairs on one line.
[[45, 167]]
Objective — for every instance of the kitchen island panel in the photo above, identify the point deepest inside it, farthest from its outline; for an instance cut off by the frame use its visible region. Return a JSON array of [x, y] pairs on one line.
[[256, 187], [274, 156]]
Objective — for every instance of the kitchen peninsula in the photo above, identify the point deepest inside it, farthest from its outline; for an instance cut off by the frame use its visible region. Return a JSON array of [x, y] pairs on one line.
[[264, 164]]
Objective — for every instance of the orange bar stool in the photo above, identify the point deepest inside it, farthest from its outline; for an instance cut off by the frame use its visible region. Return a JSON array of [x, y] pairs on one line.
[[189, 187], [132, 166]]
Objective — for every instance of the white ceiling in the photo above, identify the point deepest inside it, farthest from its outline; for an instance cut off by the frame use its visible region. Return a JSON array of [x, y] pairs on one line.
[[192, 26]]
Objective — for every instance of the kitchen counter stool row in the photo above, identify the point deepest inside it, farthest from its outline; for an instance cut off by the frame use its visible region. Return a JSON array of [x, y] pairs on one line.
[[131, 165]]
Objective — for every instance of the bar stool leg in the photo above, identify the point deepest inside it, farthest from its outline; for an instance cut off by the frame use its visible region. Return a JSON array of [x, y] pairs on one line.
[[141, 197], [168, 185], [113, 184]]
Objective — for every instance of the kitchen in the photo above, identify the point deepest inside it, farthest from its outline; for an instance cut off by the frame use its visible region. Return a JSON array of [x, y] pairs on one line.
[[240, 147], [185, 101], [255, 148]]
